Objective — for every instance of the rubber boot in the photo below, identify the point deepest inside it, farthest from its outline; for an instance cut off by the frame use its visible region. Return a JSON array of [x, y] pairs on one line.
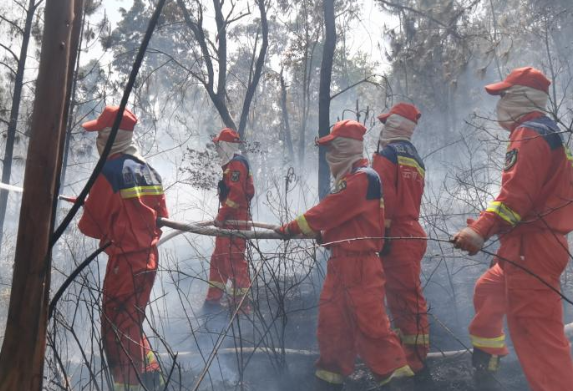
[[321, 385], [153, 381], [486, 367], [423, 380]]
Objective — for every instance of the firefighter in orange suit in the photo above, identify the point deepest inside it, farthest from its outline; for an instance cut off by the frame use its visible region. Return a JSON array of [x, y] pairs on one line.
[[236, 190], [123, 206], [402, 173], [352, 320], [532, 216]]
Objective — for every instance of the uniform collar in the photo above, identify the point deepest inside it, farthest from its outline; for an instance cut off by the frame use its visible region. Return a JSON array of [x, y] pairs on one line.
[[525, 118]]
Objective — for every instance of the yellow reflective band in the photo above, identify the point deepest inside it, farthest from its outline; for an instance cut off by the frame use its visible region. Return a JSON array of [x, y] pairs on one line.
[[126, 387], [406, 161], [497, 342], [387, 223], [231, 204], [381, 203], [329, 377], [303, 225], [399, 373], [150, 358], [415, 339], [139, 191], [568, 154], [240, 291], [500, 209], [226, 171], [217, 284]]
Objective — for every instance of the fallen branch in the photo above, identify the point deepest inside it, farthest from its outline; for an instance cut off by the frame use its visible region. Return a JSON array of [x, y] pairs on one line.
[[196, 228]]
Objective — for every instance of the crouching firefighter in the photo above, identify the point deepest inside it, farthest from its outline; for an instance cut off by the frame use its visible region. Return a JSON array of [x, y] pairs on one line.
[[532, 215], [352, 319], [402, 173], [236, 190], [123, 206]]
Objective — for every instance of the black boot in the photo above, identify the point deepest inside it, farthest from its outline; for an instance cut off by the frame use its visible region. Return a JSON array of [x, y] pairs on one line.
[[153, 381], [486, 368], [423, 380], [321, 385]]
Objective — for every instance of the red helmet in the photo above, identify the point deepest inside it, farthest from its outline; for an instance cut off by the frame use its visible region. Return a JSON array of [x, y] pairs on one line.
[[107, 117]]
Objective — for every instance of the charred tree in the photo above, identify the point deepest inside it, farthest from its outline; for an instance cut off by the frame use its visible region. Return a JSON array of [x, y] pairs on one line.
[[23, 350], [324, 95]]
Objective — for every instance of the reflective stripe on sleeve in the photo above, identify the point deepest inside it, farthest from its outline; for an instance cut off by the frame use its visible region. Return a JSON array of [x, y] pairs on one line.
[[217, 284], [406, 161], [139, 191], [329, 377], [503, 211], [479, 342], [303, 225], [231, 203]]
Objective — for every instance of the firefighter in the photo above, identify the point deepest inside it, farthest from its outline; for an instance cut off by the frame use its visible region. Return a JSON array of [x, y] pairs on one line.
[[123, 206], [352, 319], [236, 190], [402, 173], [532, 215]]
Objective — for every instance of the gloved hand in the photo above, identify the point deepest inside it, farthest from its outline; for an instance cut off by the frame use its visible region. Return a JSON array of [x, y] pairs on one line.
[[218, 223], [468, 240], [284, 232]]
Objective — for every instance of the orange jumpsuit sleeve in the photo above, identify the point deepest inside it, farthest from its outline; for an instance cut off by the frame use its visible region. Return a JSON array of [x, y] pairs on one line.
[[334, 209], [99, 210], [236, 177], [527, 165]]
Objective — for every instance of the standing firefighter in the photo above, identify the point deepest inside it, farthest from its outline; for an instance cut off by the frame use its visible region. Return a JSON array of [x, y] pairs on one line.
[[123, 206], [531, 216], [352, 320], [402, 173], [235, 193]]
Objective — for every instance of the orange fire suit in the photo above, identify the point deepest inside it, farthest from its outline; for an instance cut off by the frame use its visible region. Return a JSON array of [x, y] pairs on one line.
[[402, 173], [123, 206], [352, 319], [228, 260], [532, 215]]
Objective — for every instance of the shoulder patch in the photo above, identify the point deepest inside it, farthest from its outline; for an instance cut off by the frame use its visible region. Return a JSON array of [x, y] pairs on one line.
[[510, 159], [235, 175], [374, 189]]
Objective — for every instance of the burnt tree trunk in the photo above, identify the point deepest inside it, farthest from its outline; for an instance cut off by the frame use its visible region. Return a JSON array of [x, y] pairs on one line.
[[23, 350], [15, 112], [324, 95]]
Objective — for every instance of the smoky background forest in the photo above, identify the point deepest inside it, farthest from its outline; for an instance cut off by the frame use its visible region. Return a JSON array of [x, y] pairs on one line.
[[255, 65]]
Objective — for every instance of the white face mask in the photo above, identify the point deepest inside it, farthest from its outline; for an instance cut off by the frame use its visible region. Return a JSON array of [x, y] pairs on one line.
[[342, 154], [226, 151], [396, 128], [517, 102], [123, 143]]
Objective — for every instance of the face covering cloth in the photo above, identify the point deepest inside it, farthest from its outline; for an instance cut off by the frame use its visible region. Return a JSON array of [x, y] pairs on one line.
[[342, 154]]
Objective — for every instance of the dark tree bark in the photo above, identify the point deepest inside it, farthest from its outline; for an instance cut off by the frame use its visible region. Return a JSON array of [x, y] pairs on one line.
[[14, 112], [324, 95], [23, 350], [285, 121], [254, 81], [218, 95]]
